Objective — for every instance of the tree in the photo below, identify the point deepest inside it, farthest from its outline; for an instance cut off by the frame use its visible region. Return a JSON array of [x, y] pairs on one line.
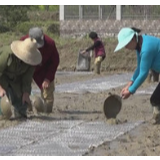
[[11, 15]]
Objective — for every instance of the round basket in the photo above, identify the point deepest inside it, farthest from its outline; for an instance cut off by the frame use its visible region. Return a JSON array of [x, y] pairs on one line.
[[37, 102], [5, 107], [112, 106]]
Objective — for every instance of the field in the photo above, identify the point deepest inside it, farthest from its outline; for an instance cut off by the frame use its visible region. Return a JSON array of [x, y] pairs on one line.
[[144, 140]]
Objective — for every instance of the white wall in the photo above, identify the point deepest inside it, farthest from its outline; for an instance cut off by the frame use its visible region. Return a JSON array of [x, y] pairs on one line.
[[61, 12], [118, 12]]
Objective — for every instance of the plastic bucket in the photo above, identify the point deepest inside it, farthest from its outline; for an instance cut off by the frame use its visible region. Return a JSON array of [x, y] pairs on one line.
[[83, 63]]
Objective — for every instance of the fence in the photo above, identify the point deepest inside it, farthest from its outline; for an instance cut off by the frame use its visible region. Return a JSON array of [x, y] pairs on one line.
[[119, 12]]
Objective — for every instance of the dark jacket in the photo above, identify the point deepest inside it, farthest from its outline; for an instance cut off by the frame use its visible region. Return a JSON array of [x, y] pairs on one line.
[[14, 73], [98, 48]]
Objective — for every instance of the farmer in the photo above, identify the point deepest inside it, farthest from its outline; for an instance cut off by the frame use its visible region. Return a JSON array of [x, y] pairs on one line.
[[99, 50], [16, 70], [44, 74], [148, 58]]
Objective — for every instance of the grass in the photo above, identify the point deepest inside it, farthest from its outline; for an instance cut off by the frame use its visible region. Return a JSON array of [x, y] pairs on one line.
[[8, 37]]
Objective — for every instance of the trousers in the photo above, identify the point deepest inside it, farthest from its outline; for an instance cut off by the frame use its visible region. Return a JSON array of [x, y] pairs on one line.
[[155, 97], [48, 97], [97, 63]]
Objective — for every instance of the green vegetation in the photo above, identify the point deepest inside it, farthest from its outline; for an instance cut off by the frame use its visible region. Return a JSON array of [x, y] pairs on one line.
[[53, 8], [17, 17], [17, 22]]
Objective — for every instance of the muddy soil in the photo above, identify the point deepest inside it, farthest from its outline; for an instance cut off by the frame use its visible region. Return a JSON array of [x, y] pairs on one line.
[[144, 140]]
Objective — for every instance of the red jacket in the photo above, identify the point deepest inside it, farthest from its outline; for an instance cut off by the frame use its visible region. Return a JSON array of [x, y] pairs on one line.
[[50, 61], [99, 51]]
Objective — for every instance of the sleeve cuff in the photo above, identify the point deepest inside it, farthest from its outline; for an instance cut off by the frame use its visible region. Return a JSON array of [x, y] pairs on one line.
[[132, 79], [131, 90]]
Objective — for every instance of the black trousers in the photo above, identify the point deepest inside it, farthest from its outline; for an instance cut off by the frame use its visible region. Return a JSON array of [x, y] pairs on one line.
[[155, 76], [155, 97], [16, 102]]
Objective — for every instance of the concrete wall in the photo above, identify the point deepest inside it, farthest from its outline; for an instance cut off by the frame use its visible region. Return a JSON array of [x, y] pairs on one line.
[[106, 28]]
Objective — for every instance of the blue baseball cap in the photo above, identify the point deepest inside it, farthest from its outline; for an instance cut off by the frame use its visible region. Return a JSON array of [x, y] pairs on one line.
[[124, 37]]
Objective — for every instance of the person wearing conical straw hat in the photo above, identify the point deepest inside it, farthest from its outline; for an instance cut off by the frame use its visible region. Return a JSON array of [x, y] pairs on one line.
[[17, 65], [148, 58]]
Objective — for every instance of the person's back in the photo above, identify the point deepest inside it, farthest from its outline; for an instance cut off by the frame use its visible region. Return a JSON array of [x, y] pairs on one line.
[[151, 48], [99, 49], [44, 74]]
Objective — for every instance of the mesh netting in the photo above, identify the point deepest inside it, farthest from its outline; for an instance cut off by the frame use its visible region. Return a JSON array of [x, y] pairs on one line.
[[60, 138]]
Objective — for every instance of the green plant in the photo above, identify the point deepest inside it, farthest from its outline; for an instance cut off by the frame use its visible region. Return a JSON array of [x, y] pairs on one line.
[[11, 15]]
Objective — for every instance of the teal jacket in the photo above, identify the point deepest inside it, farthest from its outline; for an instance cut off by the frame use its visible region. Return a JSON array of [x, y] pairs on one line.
[[14, 72], [148, 58]]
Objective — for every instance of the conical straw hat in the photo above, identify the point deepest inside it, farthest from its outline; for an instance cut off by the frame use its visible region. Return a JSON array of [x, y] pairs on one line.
[[27, 51]]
